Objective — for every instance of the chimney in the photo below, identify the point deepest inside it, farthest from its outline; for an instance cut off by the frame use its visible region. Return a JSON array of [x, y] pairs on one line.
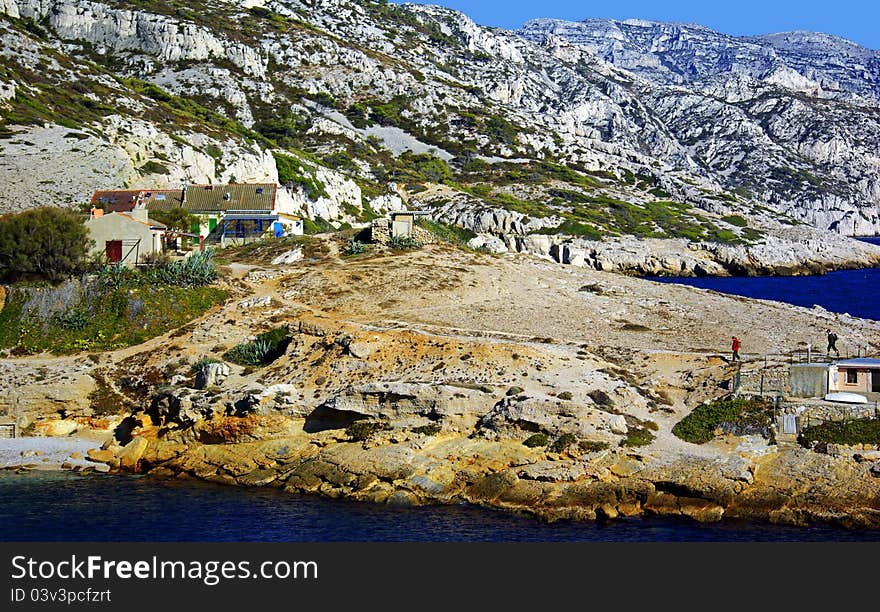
[[97, 212], [139, 213]]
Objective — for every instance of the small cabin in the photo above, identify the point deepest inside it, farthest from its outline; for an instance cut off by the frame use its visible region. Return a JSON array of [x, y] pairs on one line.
[[124, 238], [403, 222], [860, 375]]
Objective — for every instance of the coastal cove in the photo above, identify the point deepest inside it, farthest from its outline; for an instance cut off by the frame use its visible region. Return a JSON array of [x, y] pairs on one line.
[[841, 291], [158, 509]]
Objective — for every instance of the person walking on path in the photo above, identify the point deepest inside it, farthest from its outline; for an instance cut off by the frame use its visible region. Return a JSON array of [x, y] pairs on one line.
[[832, 343], [735, 347]]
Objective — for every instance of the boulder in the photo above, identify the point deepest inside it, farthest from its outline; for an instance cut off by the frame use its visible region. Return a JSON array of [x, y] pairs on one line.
[[131, 453], [259, 301], [617, 424], [100, 455], [514, 415], [485, 242], [311, 329], [211, 375], [288, 258]]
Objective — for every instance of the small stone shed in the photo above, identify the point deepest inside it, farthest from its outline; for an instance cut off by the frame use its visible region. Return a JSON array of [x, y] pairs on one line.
[[401, 224], [809, 379], [125, 237]]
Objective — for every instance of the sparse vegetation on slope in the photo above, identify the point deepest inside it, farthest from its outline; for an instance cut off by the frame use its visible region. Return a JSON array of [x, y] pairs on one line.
[[849, 431], [738, 416]]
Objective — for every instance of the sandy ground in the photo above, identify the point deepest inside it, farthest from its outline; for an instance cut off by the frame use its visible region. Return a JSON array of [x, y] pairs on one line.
[[45, 453]]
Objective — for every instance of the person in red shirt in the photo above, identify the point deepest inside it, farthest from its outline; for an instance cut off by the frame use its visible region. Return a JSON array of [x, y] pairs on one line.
[[735, 347]]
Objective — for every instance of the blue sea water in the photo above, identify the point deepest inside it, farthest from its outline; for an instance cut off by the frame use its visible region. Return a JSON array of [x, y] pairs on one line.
[[844, 291], [67, 507]]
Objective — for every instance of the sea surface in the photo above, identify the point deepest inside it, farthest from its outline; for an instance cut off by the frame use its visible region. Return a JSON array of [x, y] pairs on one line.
[[68, 507], [845, 291]]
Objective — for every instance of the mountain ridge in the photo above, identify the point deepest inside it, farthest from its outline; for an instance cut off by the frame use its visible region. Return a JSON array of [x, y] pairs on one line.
[[542, 134]]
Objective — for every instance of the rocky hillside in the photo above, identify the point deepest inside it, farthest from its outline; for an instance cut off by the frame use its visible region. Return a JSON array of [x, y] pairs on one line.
[[555, 133]]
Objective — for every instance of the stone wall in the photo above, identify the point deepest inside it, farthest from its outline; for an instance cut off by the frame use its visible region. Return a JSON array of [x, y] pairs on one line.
[[816, 413], [772, 380], [381, 233]]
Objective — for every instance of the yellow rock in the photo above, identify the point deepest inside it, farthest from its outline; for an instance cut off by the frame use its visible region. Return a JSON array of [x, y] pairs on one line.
[[626, 467], [100, 456], [131, 453]]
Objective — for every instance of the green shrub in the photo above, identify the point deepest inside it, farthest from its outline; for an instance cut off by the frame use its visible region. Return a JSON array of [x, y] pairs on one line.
[[514, 391], [738, 416], [562, 442], [431, 429], [447, 233], [536, 440], [72, 320], [197, 270], [855, 431], [402, 243], [592, 446], [175, 218], [565, 395], [318, 225], [263, 350], [359, 431], [637, 436], [355, 247], [44, 243]]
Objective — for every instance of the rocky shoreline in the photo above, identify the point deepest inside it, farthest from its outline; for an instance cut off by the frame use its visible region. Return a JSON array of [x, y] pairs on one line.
[[442, 376]]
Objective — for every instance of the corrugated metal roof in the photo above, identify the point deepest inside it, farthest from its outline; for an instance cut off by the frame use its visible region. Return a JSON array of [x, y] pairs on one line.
[[861, 362], [237, 196]]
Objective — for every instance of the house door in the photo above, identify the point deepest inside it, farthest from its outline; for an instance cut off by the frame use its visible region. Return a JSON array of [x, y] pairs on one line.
[[789, 424], [113, 249], [875, 381]]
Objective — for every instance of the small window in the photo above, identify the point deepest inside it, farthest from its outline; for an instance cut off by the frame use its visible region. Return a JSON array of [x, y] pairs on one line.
[[852, 377], [259, 190], [160, 197]]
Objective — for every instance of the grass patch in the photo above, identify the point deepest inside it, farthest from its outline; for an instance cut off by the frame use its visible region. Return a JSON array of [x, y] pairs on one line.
[[738, 416], [116, 317], [262, 252], [452, 234], [592, 446]]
